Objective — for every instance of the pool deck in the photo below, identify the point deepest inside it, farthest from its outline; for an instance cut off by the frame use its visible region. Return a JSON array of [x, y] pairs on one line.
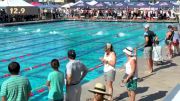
[[95, 20], [153, 87]]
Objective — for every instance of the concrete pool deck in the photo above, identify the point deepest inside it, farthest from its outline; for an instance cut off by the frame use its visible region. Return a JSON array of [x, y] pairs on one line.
[[152, 87]]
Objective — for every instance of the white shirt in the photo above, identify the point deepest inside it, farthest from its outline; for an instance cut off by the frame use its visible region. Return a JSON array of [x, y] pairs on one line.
[[128, 68], [108, 67]]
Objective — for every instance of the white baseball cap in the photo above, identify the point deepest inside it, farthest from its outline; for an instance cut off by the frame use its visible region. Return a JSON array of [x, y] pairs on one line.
[[146, 25]]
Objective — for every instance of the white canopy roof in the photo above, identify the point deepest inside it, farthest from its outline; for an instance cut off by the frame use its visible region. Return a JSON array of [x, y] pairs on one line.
[[92, 2], [2, 4], [14, 3], [67, 5]]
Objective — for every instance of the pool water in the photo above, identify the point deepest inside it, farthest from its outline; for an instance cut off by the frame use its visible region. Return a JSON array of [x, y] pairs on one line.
[[34, 46]]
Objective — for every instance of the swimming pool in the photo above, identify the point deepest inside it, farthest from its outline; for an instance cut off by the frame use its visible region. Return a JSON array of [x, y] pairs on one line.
[[34, 46]]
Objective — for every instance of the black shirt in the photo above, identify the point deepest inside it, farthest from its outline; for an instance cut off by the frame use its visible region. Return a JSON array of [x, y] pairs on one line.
[[150, 35]]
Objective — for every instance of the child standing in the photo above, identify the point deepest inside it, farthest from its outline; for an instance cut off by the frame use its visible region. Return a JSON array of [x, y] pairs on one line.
[[55, 82]]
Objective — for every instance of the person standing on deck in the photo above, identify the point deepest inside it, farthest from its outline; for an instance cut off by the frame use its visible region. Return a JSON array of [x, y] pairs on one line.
[[109, 61], [55, 82], [169, 41], [131, 73], [176, 39], [148, 47], [75, 72], [16, 88]]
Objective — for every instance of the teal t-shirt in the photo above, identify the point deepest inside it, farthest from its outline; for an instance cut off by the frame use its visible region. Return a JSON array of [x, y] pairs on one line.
[[56, 79], [16, 88]]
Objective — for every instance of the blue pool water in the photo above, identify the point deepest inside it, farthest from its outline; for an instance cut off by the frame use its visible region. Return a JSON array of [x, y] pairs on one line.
[[34, 46]]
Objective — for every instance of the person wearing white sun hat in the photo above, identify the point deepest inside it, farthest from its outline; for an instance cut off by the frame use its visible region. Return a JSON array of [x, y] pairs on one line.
[[99, 92], [131, 72]]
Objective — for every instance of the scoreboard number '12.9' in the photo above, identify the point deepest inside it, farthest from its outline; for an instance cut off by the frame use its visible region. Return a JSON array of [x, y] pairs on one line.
[[22, 10], [17, 10]]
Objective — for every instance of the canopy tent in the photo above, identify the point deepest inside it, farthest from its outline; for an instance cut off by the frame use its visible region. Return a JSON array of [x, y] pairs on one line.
[[138, 5], [67, 5], [142, 5], [15, 3], [110, 4], [131, 5], [177, 3], [36, 4], [100, 5], [93, 2], [49, 6], [81, 5], [2, 4], [164, 5], [120, 5]]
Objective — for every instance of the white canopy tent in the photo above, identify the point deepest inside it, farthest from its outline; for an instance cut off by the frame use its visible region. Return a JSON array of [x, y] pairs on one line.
[[67, 5], [2, 4], [92, 3], [14, 3]]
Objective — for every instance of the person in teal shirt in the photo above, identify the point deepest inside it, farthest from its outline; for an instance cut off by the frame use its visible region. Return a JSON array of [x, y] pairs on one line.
[[16, 88], [55, 82]]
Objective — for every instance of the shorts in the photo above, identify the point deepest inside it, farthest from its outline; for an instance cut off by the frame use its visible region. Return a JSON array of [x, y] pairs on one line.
[[73, 92], [148, 52], [110, 75], [168, 42], [132, 85]]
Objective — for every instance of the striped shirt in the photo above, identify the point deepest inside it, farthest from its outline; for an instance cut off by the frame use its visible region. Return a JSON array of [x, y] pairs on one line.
[[16, 88]]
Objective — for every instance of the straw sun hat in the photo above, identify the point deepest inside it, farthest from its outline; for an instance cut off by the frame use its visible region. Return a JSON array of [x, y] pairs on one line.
[[128, 51], [99, 88]]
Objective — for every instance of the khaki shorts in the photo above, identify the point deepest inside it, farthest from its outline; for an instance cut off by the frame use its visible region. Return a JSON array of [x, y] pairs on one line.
[[110, 75], [148, 52]]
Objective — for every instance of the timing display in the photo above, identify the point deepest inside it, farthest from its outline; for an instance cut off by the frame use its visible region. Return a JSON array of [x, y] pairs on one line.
[[22, 10]]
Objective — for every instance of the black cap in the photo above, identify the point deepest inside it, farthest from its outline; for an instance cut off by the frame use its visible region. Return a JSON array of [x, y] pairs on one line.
[[71, 54], [170, 26]]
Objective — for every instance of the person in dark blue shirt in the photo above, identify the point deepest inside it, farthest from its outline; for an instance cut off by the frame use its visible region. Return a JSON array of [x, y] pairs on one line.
[[149, 37]]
